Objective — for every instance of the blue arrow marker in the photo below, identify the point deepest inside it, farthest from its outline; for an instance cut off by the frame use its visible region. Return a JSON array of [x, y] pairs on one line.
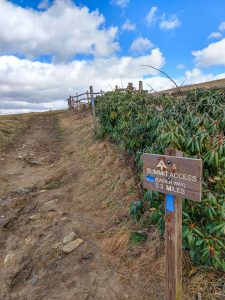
[[150, 178], [169, 203]]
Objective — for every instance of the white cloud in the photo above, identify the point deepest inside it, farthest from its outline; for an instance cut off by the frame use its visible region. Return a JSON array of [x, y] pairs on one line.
[[32, 86], [170, 22], [141, 45], [127, 25], [121, 3], [215, 35], [222, 26], [197, 76], [157, 83], [44, 4], [180, 66], [165, 22], [212, 55], [63, 30], [191, 77], [151, 16], [35, 86]]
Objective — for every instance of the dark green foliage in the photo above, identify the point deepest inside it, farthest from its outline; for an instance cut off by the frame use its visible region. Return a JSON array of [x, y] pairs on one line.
[[194, 124], [136, 209], [138, 238]]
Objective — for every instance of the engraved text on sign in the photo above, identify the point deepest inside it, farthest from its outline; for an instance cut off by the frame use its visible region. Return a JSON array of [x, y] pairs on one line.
[[172, 175]]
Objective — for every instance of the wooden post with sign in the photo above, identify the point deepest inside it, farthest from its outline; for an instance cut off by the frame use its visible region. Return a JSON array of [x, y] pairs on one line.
[[173, 241], [179, 178], [93, 108]]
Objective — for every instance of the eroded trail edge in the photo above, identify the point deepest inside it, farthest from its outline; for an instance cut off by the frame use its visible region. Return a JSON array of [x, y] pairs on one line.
[[64, 208]]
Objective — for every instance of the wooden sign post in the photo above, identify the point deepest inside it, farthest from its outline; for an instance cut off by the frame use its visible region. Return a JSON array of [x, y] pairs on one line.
[[179, 178]]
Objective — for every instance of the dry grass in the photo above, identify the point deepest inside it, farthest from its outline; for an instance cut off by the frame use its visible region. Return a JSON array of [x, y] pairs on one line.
[[220, 83], [117, 244], [10, 126], [107, 185], [211, 286]]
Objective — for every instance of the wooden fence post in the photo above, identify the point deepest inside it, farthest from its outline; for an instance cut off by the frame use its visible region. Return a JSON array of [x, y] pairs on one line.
[[140, 86], [69, 100], [93, 108], [173, 241], [130, 86], [77, 103], [88, 99]]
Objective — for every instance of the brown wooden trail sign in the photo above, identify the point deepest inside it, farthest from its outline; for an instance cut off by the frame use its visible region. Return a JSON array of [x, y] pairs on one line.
[[178, 178]]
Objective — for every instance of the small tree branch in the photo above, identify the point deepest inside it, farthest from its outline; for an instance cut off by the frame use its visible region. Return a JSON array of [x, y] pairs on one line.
[[151, 87], [183, 82], [154, 68]]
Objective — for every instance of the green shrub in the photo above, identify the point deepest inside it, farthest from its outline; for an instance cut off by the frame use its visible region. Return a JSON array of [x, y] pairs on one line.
[[137, 238], [194, 124]]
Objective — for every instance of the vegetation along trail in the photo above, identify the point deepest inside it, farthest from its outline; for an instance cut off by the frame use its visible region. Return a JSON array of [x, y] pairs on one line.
[[65, 229]]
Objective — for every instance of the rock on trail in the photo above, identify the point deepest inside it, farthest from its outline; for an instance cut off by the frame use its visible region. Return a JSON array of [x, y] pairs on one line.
[[72, 246]]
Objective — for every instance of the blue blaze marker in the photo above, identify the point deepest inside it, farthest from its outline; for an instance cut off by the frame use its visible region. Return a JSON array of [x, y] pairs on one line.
[[169, 203], [150, 178]]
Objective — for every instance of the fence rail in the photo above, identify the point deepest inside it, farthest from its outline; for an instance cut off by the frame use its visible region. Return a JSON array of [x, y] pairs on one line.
[[74, 102]]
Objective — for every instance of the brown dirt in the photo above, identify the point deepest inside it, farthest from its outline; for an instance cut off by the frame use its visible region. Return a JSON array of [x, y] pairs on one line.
[[55, 179]]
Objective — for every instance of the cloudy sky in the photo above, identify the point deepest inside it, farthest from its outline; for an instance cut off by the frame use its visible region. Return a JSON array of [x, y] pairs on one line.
[[52, 49]]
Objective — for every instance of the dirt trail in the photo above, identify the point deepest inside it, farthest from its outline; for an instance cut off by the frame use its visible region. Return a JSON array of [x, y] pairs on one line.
[[64, 219], [53, 184]]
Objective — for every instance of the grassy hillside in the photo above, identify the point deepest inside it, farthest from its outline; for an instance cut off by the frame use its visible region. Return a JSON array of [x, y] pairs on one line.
[[195, 125], [220, 83], [11, 126]]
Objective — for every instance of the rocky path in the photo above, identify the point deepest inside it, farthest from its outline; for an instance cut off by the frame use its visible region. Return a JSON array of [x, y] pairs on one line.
[[64, 220], [51, 214]]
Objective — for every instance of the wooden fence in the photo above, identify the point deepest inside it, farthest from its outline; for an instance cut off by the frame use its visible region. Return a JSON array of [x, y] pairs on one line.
[[84, 99], [74, 102]]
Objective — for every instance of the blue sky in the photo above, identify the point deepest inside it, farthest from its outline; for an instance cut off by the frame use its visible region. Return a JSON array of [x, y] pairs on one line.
[[49, 38], [198, 19]]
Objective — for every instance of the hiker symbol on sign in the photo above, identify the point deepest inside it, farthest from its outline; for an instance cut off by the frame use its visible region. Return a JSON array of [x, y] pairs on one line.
[[161, 165]]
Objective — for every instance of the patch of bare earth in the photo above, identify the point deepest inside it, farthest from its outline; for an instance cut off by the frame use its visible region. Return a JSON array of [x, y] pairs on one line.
[[64, 219]]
